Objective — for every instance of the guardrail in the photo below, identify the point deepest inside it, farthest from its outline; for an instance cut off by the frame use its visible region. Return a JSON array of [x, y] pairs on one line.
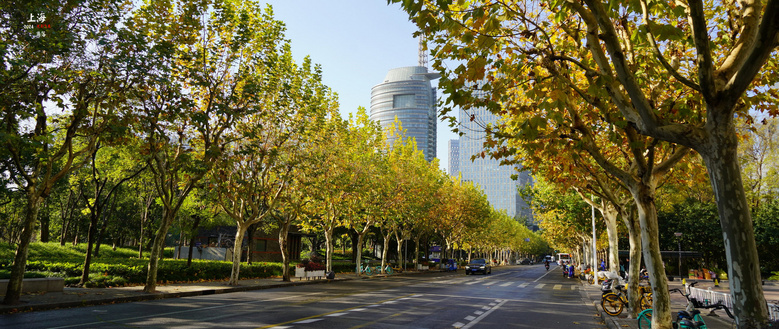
[[708, 297]]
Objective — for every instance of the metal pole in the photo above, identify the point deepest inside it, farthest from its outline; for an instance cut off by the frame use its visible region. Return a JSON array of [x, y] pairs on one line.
[[594, 248], [679, 243]]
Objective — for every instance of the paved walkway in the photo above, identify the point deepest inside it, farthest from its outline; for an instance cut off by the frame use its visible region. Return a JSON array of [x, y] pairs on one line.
[[678, 302], [77, 297]]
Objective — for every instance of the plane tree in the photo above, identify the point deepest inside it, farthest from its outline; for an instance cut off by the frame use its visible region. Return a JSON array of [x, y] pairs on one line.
[[679, 72], [196, 66], [56, 79]]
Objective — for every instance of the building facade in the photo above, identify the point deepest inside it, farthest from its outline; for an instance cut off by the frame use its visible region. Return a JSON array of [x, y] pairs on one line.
[[454, 157], [495, 180], [407, 94]]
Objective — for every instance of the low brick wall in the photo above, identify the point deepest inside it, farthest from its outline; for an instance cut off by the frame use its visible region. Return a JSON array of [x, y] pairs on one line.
[[37, 285]]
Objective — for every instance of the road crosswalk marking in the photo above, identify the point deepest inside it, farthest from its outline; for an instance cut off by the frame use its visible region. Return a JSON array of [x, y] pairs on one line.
[[557, 287], [490, 283], [506, 284], [523, 285], [540, 285]]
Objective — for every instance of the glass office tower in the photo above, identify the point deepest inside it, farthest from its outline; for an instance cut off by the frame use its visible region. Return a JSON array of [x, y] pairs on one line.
[[494, 179], [454, 157], [407, 94]]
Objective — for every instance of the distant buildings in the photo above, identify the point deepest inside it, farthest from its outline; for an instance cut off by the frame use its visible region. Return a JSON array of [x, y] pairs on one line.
[[407, 94], [502, 192], [454, 153]]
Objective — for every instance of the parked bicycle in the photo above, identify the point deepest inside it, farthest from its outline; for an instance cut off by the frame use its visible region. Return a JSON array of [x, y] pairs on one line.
[[387, 269], [690, 317], [366, 269], [613, 302]]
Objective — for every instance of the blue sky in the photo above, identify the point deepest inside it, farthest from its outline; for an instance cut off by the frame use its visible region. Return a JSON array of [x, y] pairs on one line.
[[356, 42]]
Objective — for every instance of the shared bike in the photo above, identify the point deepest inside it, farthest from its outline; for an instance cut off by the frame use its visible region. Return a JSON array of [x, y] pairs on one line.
[[690, 317]]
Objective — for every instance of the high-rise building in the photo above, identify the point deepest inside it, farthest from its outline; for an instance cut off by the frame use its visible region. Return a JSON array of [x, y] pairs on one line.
[[502, 192], [454, 157], [407, 94]]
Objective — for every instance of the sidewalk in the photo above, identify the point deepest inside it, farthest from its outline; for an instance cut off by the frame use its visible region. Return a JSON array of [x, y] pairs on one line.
[[678, 302], [78, 297]]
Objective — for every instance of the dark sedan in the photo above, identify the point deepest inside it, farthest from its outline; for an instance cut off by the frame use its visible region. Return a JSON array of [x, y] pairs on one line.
[[478, 265]]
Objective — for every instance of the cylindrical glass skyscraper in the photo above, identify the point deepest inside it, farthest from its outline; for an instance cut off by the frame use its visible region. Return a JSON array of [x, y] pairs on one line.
[[407, 94]]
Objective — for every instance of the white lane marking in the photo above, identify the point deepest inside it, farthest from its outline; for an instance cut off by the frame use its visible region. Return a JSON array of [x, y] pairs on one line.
[[523, 285], [506, 284], [470, 318], [374, 305], [573, 287], [336, 314], [540, 285], [474, 322], [280, 327], [478, 312], [390, 302], [557, 287], [486, 308], [493, 304], [490, 283], [540, 277], [307, 321], [458, 324], [472, 282], [200, 309], [357, 310]]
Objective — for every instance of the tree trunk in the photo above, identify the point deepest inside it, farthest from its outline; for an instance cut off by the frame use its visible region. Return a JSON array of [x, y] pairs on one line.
[[416, 251], [234, 274], [400, 248], [634, 265], [90, 243], [358, 261], [329, 248], [354, 237], [283, 233], [610, 215], [103, 226], [385, 250], [14, 290], [195, 225], [650, 242], [721, 160], [156, 251], [45, 219], [66, 214]]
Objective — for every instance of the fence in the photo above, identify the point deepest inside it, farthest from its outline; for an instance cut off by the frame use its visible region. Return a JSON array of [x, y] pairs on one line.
[[713, 297], [708, 297]]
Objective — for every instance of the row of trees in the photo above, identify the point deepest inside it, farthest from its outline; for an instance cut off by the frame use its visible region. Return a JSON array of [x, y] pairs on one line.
[[120, 123], [610, 98]]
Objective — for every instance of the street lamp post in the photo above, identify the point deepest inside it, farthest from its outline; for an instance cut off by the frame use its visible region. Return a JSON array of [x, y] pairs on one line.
[[594, 245], [679, 243]]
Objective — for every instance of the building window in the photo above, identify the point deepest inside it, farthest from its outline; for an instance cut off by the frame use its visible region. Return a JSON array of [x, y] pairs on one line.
[[260, 245], [407, 100]]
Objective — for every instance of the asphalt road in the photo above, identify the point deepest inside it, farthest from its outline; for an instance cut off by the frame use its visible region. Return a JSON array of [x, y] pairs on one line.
[[510, 297]]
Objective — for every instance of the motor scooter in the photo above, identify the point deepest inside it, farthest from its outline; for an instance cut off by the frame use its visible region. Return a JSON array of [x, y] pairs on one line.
[[547, 266]]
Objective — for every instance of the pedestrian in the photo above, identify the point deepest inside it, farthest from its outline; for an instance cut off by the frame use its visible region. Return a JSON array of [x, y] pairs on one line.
[[602, 265]]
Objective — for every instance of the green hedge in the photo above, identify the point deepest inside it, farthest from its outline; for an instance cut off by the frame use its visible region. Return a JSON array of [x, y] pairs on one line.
[[120, 272]]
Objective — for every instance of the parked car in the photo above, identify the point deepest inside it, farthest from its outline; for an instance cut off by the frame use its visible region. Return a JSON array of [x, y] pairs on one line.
[[525, 261], [478, 265]]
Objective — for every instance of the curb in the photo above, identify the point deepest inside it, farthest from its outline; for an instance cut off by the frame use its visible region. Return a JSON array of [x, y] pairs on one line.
[[10, 309], [610, 321], [153, 296]]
